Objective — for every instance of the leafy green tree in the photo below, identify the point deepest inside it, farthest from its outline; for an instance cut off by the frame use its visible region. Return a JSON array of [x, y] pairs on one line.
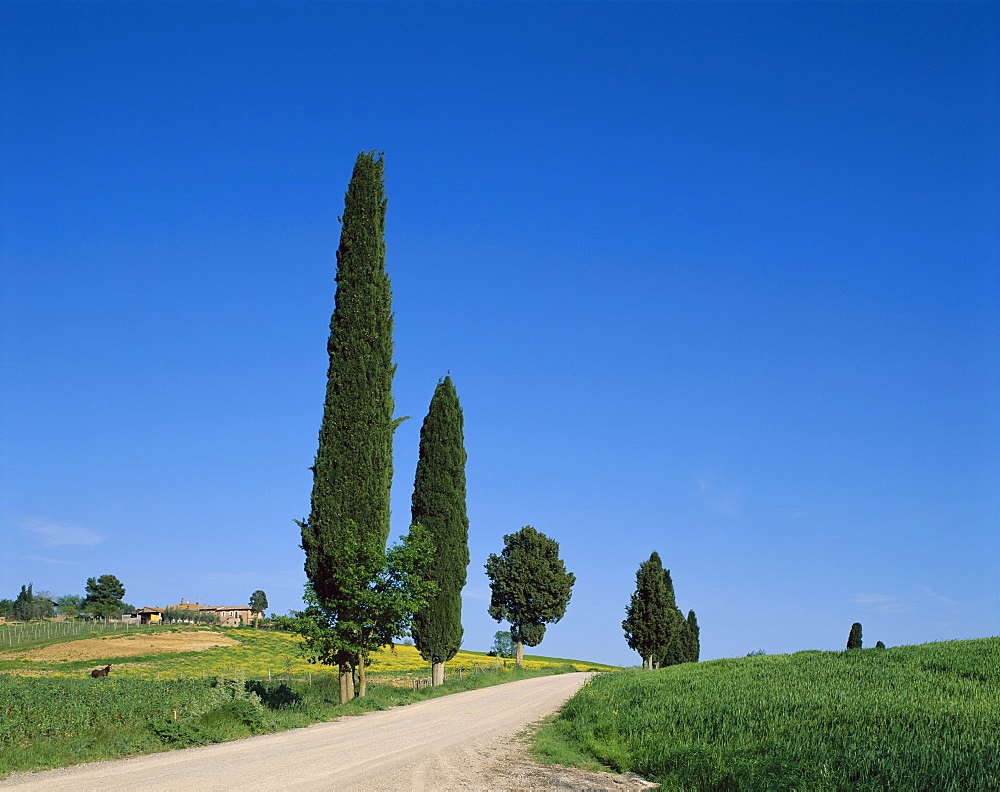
[[104, 597], [503, 644], [879, 645], [381, 611], [439, 506], [29, 605], [70, 605], [530, 586], [647, 614], [345, 535], [692, 638], [854, 639], [258, 604]]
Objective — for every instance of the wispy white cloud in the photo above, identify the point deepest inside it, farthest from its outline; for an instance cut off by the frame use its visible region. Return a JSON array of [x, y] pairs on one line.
[[941, 598], [52, 534], [879, 602]]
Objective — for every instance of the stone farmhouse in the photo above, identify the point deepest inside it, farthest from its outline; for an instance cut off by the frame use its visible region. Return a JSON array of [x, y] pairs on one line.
[[228, 615]]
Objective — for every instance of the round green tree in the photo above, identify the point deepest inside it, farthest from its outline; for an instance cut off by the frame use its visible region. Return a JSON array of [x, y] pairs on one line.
[[530, 586]]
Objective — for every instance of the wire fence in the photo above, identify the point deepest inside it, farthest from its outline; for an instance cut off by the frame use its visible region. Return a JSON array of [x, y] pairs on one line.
[[14, 635]]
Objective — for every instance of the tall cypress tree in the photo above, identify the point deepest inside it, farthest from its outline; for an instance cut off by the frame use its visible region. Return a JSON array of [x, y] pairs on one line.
[[671, 650], [646, 616], [692, 640], [439, 506], [348, 525]]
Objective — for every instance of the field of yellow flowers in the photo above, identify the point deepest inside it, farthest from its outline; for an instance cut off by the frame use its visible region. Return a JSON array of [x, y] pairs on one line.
[[254, 654]]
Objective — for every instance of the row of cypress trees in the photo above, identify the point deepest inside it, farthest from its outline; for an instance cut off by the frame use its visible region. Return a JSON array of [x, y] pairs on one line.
[[654, 626], [360, 595]]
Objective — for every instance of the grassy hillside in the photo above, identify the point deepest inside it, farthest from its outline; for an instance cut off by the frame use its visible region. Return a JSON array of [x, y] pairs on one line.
[[908, 718]]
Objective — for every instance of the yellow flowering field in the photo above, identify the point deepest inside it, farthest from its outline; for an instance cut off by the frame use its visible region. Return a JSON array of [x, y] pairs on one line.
[[263, 654]]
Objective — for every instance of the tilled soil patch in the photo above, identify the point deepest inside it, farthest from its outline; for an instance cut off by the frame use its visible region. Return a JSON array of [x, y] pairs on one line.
[[124, 646]]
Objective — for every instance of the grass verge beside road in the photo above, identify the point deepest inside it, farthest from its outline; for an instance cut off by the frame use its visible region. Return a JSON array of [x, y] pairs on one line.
[[908, 718]]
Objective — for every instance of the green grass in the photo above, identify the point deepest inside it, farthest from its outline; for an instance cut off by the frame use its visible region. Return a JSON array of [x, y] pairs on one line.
[[909, 718]]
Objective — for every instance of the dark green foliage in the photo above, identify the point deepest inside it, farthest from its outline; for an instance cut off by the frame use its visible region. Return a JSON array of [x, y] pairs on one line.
[[258, 601], [29, 606], [692, 640], [879, 645], [439, 506], [348, 525], [647, 614], [854, 639], [104, 597], [530, 585], [672, 647]]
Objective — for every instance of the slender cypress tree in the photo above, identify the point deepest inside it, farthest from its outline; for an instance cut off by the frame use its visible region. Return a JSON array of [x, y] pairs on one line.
[[671, 650], [692, 640], [854, 639], [439, 506], [348, 525], [646, 616]]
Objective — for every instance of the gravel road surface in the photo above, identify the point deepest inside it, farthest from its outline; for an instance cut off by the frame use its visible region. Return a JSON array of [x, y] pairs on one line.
[[463, 741]]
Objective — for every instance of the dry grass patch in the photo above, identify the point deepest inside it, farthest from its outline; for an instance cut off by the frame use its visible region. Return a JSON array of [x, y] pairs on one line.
[[124, 646]]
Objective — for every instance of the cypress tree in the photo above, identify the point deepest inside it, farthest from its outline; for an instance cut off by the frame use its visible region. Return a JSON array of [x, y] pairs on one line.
[[646, 616], [672, 644], [345, 535], [692, 640], [439, 506], [854, 639]]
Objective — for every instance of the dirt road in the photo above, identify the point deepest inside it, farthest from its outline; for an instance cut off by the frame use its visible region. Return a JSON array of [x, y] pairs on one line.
[[463, 741]]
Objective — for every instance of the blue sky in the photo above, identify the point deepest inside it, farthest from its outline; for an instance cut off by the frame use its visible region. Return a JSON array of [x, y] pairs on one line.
[[713, 279]]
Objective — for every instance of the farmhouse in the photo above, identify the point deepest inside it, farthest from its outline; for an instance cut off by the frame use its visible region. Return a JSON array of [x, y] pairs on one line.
[[228, 615]]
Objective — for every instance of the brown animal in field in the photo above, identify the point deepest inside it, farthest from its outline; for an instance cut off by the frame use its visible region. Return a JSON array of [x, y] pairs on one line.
[[99, 672]]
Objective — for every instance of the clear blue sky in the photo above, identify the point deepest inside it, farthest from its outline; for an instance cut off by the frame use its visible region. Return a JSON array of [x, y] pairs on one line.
[[716, 280]]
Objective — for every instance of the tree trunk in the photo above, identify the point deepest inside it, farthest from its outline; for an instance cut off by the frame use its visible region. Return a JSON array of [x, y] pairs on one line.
[[346, 683], [520, 652], [437, 674], [362, 679]]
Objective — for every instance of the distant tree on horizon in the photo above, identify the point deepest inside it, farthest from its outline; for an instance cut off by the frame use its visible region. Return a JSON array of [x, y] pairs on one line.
[[438, 504], [503, 644], [70, 605], [28, 605], [104, 597], [854, 639], [879, 645], [345, 535], [258, 604], [530, 586], [692, 638]]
